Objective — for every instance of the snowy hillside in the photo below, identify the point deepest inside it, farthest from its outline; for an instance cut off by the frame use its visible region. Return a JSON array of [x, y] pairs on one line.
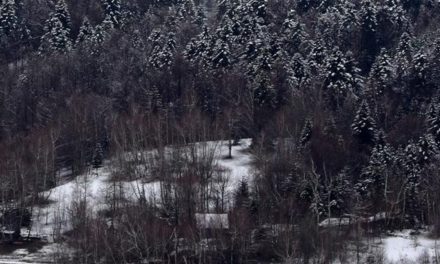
[[51, 220]]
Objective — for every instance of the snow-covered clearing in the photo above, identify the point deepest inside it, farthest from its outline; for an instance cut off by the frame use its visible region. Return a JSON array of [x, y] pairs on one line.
[[53, 219], [402, 246]]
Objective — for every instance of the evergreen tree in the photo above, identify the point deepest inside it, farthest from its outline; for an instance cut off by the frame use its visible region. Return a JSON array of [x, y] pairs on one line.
[[341, 78], [433, 122], [242, 195], [338, 194], [62, 13], [186, 10], [374, 176], [403, 59], [298, 72], [405, 47], [261, 58], [100, 35], [381, 74], [317, 58], [162, 55], [200, 48], [293, 35], [85, 32], [57, 31], [264, 93], [137, 41], [419, 75], [221, 55], [98, 156], [113, 13], [56, 39], [427, 149], [394, 12], [416, 156], [368, 22], [8, 18], [200, 17], [364, 126], [306, 133]]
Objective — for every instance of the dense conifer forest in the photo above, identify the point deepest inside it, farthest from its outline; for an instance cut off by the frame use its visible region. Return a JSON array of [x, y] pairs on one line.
[[334, 105]]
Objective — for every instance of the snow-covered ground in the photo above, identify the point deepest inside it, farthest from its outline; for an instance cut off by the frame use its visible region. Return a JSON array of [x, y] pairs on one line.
[[402, 246], [53, 219], [41, 256]]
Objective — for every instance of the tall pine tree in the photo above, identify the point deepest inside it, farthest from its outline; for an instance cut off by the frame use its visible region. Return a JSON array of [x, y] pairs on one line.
[[112, 13], [364, 126]]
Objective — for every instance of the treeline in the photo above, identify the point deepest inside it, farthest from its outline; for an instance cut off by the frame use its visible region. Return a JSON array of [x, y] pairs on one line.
[[340, 98]]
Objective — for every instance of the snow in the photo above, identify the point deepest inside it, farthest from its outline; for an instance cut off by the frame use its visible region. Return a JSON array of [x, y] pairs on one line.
[[94, 185], [91, 185], [23, 256], [334, 222], [240, 164], [402, 246], [213, 221]]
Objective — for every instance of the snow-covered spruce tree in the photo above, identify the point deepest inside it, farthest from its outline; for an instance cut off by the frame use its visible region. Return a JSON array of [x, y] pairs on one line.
[[86, 32], [112, 13], [341, 78], [394, 13], [368, 24], [374, 183], [259, 58], [348, 24], [381, 75], [427, 149], [433, 122], [14, 32], [405, 47], [186, 10], [403, 55], [221, 55], [245, 22], [57, 37], [200, 16], [298, 72], [265, 96], [364, 126], [293, 35], [338, 194], [8, 18], [419, 75], [136, 40], [100, 34], [200, 49], [417, 156], [316, 58], [162, 55], [62, 12], [306, 133]]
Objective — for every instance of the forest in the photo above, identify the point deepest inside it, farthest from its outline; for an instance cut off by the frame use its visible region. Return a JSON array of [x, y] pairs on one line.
[[326, 114]]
